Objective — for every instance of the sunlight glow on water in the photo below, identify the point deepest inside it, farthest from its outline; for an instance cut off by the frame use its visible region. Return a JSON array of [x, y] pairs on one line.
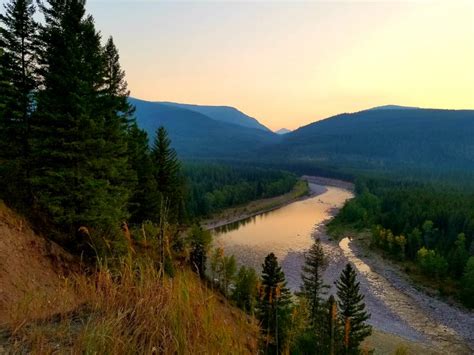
[[287, 232]]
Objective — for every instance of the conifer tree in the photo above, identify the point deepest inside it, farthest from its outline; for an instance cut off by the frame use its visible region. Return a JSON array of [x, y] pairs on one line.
[[274, 306], [18, 31], [167, 172], [314, 289], [352, 312], [145, 199], [74, 179]]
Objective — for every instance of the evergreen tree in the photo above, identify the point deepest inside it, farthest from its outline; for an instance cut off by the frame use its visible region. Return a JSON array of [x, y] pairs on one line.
[[459, 256], [167, 172], [313, 290], [75, 176], [274, 306], [145, 200], [467, 284], [352, 312], [18, 44]]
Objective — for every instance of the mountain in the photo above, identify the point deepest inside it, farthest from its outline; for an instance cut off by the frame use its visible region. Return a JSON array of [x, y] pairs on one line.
[[222, 113], [195, 135], [283, 131], [390, 139]]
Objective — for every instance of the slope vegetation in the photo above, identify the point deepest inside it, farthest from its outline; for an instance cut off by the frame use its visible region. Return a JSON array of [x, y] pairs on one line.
[[195, 135], [49, 305], [30, 266], [388, 139]]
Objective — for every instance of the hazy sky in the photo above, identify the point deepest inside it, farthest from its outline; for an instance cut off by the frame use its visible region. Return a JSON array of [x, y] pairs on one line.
[[291, 63]]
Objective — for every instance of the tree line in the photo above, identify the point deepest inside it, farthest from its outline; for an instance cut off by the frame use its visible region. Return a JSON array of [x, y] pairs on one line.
[[214, 187], [431, 225]]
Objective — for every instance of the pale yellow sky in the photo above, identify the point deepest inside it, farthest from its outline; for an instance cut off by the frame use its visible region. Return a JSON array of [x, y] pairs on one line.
[[290, 63]]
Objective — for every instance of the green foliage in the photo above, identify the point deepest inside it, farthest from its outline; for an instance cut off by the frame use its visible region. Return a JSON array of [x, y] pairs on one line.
[[167, 173], [223, 269], [431, 263], [200, 241], [18, 49], [352, 312], [313, 289], [214, 187], [246, 289], [78, 134], [434, 219], [274, 307], [458, 256], [467, 288]]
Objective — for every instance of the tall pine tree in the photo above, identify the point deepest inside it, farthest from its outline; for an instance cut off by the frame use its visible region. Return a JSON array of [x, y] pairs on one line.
[[274, 307], [18, 31], [145, 200], [352, 312], [74, 179], [167, 172], [314, 290]]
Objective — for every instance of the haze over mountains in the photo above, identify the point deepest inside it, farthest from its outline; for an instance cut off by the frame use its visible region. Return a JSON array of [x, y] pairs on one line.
[[387, 138]]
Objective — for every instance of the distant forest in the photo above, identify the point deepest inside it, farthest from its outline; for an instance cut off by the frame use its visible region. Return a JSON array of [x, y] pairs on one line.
[[430, 225]]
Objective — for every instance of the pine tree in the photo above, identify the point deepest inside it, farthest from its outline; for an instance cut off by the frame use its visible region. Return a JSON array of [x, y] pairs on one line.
[[274, 306], [74, 179], [313, 289], [352, 312], [145, 199], [167, 172], [18, 43]]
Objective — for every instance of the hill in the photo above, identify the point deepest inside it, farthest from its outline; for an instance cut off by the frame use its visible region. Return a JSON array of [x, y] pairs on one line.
[[389, 139], [195, 135], [222, 113], [49, 305], [30, 264]]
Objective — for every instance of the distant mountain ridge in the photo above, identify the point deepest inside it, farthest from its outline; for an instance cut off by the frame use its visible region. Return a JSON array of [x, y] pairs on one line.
[[196, 135], [428, 140], [221, 113], [382, 139]]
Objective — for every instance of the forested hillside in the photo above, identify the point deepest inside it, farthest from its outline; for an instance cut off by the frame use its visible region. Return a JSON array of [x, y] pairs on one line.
[[214, 187], [430, 225], [425, 141], [196, 135], [222, 113]]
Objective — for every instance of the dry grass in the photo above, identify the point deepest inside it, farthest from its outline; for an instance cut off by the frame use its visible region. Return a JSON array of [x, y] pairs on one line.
[[131, 311]]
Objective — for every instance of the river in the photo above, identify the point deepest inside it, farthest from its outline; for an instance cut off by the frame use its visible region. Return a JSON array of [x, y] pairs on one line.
[[287, 231], [396, 307]]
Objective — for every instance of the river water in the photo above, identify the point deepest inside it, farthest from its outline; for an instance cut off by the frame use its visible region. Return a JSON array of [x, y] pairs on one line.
[[287, 231], [396, 307]]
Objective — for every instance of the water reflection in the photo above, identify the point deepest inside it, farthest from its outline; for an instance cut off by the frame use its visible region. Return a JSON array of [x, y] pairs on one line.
[[286, 232]]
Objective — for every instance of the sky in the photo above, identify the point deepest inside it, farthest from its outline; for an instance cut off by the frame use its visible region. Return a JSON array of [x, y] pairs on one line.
[[289, 63]]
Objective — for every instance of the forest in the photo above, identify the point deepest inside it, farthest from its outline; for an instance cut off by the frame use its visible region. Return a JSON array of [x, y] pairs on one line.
[[429, 224], [213, 187]]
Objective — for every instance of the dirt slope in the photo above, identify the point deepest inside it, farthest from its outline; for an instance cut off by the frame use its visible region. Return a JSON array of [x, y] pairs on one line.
[[28, 263]]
